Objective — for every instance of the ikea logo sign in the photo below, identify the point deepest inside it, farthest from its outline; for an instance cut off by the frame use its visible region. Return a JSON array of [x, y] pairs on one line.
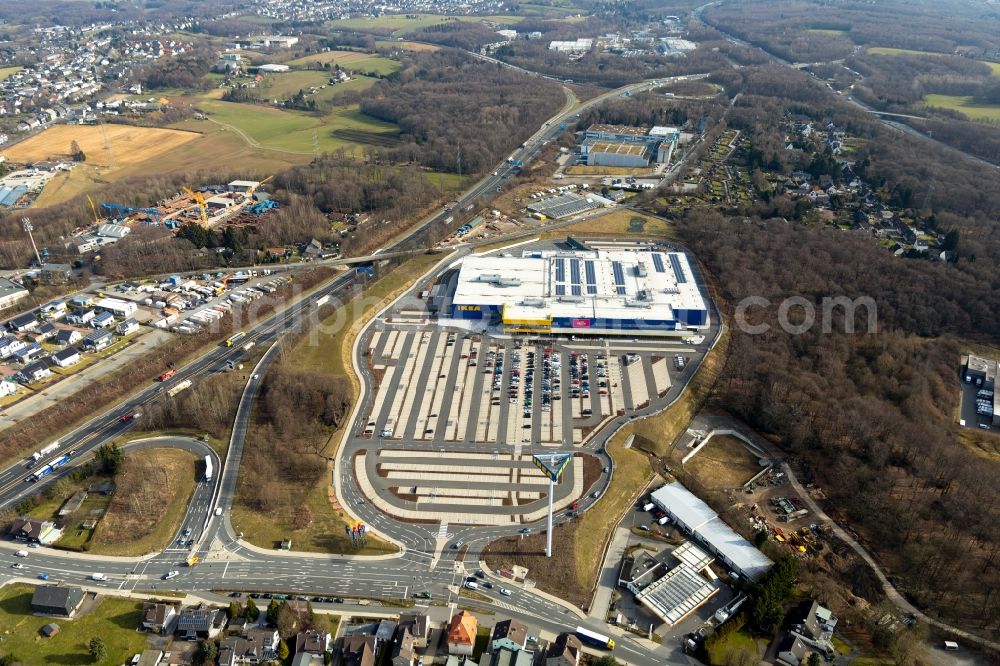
[[469, 308]]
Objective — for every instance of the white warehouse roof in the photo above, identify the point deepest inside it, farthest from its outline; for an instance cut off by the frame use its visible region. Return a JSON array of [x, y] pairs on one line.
[[693, 514], [606, 284]]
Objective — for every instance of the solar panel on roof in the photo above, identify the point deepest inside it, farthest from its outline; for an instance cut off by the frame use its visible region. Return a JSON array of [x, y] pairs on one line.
[[658, 263], [678, 269], [619, 272], [577, 290], [560, 290], [560, 270]]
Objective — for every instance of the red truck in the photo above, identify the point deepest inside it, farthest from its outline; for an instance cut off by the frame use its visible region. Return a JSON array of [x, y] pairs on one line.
[[166, 375]]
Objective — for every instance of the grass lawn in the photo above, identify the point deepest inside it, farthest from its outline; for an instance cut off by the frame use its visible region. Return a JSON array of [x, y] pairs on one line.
[[121, 532], [342, 57], [405, 46], [887, 50], [718, 654], [723, 463], [8, 71], [994, 66], [586, 170], [114, 620], [324, 535], [621, 222], [378, 64], [826, 31], [293, 131], [964, 104], [400, 24], [286, 84]]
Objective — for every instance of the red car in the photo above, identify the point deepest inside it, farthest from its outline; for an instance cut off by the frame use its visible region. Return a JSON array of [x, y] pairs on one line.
[[574, 506]]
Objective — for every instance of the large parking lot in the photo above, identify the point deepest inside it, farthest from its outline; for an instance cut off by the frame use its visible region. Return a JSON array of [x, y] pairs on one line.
[[439, 385]]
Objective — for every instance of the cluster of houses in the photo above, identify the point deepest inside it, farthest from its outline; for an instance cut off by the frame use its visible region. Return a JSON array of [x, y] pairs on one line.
[[869, 213], [58, 334], [73, 65]]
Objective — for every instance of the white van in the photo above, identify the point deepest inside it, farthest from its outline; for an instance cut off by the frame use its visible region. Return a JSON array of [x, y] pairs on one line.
[[471, 586], [21, 553], [98, 576]]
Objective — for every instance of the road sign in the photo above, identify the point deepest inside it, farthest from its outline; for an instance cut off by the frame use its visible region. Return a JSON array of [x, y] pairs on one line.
[[552, 464]]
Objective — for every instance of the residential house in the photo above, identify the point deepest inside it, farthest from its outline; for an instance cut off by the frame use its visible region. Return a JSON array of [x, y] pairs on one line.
[[253, 646], [7, 388], [384, 632], [34, 372], [58, 600], [23, 322], [33, 531], [813, 622], [66, 358], [97, 340], [200, 622], [312, 641], [53, 310], [313, 249], [411, 634], [307, 659], [68, 336], [356, 650], [44, 332], [159, 618], [28, 353], [462, 633], [792, 651], [505, 656], [81, 316], [127, 327], [564, 651], [509, 633], [102, 320], [9, 345]]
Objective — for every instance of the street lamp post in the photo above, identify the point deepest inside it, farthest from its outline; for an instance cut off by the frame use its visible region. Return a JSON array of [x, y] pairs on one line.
[[28, 227]]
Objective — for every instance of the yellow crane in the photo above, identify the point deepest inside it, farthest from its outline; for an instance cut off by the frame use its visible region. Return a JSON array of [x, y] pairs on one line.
[[254, 188], [97, 218], [200, 200]]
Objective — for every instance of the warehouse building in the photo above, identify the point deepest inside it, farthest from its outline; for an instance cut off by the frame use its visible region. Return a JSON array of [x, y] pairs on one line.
[[601, 153], [696, 518], [10, 293], [684, 588], [595, 292]]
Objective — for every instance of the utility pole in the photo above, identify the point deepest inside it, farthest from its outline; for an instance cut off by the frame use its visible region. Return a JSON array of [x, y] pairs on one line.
[[27, 226]]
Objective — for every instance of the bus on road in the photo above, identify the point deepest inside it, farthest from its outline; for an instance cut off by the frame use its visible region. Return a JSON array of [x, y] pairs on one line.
[[595, 639]]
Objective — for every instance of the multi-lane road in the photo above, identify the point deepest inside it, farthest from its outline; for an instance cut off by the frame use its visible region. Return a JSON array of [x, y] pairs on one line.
[[228, 563]]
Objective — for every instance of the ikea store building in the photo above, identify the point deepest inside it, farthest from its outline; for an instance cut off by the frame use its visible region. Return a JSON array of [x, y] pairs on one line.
[[598, 292]]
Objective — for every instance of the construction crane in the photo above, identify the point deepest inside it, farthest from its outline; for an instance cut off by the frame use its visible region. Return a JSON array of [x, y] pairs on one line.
[[97, 218], [200, 200], [254, 188], [120, 211]]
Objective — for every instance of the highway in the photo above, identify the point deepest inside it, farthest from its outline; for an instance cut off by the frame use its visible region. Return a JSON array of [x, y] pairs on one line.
[[230, 564]]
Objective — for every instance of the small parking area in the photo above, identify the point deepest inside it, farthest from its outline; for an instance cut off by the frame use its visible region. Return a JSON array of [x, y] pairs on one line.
[[437, 385], [972, 395]]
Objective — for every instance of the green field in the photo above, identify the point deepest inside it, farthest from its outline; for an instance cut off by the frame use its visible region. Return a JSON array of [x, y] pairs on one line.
[[352, 60], [827, 31], [290, 130], [965, 105], [378, 64], [114, 620], [399, 24], [8, 71], [286, 84], [994, 66], [887, 50], [342, 57]]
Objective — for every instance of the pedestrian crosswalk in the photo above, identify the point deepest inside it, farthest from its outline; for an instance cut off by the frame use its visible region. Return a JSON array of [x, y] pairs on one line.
[[443, 531]]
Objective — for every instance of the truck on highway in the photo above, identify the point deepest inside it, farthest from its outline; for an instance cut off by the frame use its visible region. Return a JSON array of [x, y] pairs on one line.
[[47, 469], [208, 468], [192, 560], [51, 448], [177, 388], [595, 639], [322, 300], [233, 339], [166, 375]]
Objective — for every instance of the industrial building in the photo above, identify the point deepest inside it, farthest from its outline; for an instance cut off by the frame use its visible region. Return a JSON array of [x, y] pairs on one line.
[[982, 373], [696, 518], [626, 146], [10, 293], [593, 292], [684, 588], [581, 45]]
